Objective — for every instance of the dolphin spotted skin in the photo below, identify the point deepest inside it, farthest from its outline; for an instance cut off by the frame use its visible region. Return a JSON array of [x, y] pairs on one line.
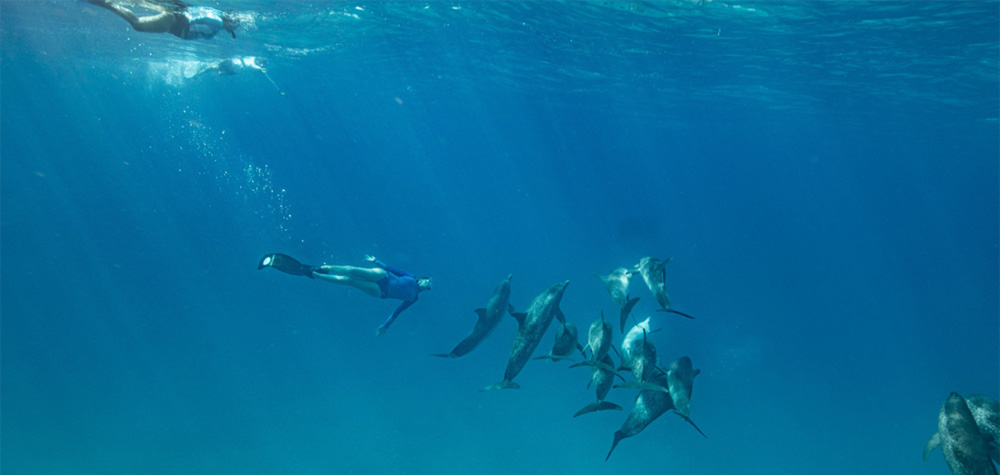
[[986, 412], [489, 317], [632, 340], [617, 284], [602, 376], [567, 340], [649, 405], [532, 325], [680, 382], [966, 449], [654, 274]]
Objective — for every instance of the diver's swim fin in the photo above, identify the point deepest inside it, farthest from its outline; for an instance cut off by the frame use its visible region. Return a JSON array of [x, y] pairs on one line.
[[286, 264]]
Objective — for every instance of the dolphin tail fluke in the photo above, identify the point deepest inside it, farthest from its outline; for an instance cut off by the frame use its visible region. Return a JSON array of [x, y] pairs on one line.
[[642, 385], [619, 435], [598, 406], [502, 385], [686, 418], [675, 311]]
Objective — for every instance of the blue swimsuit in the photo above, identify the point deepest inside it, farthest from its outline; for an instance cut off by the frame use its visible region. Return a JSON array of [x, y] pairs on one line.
[[398, 284]]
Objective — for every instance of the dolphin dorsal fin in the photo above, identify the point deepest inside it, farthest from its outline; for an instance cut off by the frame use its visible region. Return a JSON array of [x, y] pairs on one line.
[[481, 312]]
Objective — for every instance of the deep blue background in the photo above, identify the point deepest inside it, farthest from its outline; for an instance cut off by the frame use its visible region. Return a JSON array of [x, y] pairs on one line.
[[824, 175]]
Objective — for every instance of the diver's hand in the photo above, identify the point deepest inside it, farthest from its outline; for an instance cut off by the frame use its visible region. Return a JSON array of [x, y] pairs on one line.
[[370, 258], [381, 330]]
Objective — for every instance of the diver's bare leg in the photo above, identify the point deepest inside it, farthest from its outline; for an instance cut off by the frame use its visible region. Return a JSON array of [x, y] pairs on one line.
[[159, 23], [366, 286], [357, 273]]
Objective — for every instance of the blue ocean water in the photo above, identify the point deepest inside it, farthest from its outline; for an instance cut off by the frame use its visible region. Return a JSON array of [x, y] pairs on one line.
[[823, 174]]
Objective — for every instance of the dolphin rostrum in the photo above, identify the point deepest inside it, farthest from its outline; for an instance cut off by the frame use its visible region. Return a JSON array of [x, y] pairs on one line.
[[966, 449], [489, 317], [680, 382], [649, 405], [531, 326], [653, 272]]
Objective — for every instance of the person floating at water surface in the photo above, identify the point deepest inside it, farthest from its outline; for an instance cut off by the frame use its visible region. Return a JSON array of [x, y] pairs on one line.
[[380, 282], [175, 17]]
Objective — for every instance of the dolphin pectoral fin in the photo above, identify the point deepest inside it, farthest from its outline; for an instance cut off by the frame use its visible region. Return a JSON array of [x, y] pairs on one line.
[[597, 364], [932, 444], [553, 358], [582, 350], [686, 418], [502, 385], [675, 311], [619, 435], [519, 316], [642, 385], [560, 316], [445, 355], [597, 406]]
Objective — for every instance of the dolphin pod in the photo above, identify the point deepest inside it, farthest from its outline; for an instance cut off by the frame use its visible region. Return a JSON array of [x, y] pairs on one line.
[[638, 354], [966, 443], [489, 317], [531, 326]]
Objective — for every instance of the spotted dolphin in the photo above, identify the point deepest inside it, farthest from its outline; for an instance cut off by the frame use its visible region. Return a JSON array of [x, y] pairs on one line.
[[680, 382], [531, 326], [489, 317], [617, 284], [966, 449], [599, 339], [639, 356], [602, 376], [654, 274], [649, 405], [567, 340]]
